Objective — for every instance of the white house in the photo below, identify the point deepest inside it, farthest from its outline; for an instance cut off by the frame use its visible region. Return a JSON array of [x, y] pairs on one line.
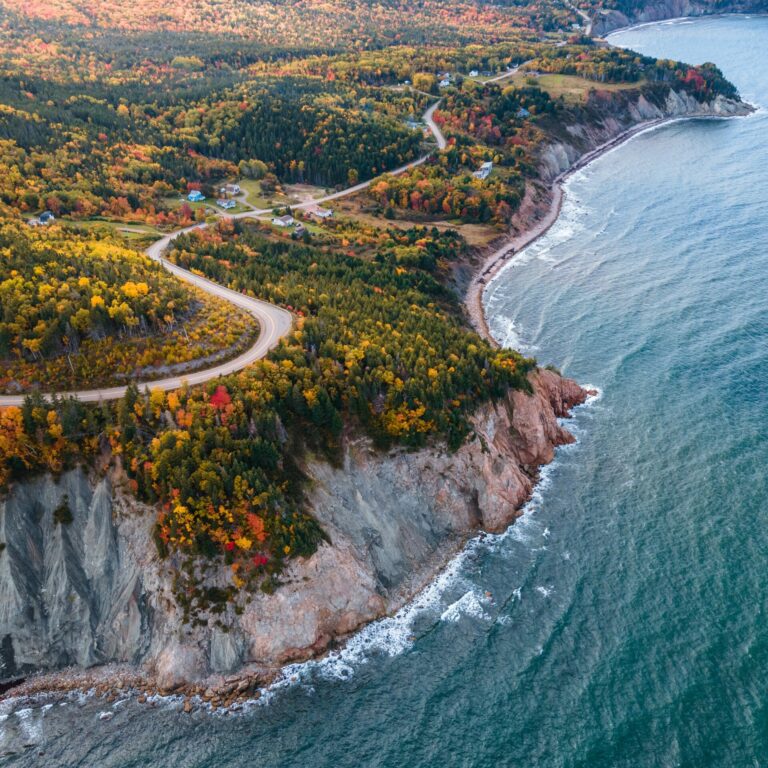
[[226, 204], [484, 171], [320, 213], [474, 73], [283, 221], [231, 189]]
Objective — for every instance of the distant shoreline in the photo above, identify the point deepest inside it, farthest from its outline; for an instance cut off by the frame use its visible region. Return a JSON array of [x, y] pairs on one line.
[[677, 19]]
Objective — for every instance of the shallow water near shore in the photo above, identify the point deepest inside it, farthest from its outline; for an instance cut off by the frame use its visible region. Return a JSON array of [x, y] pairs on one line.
[[622, 621]]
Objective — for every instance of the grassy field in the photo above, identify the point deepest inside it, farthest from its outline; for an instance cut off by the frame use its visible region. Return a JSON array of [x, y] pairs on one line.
[[209, 204], [136, 234], [476, 235], [258, 199], [573, 89]]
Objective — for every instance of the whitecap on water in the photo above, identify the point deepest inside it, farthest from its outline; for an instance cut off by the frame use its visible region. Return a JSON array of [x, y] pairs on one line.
[[469, 604]]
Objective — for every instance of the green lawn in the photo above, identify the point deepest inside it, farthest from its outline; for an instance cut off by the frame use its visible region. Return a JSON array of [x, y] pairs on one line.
[[255, 197], [131, 232]]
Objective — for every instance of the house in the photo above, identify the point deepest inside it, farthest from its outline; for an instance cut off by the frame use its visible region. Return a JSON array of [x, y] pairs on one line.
[[300, 231], [283, 221], [474, 73], [195, 196], [319, 213], [230, 189], [46, 218], [225, 204], [33, 222], [484, 171], [523, 112], [444, 83]]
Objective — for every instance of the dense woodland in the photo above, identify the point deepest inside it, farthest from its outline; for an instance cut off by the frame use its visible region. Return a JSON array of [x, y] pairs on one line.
[[378, 348], [80, 310], [107, 154], [111, 113]]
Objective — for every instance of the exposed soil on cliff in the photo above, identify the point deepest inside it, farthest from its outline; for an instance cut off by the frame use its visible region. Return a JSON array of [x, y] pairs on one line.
[[543, 199]]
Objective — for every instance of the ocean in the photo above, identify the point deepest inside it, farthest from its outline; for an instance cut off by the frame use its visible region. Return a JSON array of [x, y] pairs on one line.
[[622, 621]]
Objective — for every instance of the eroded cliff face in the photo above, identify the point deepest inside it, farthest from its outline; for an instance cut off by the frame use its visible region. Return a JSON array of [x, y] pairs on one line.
[[608, 21], [611, 115], [70, 593], [94, 590]]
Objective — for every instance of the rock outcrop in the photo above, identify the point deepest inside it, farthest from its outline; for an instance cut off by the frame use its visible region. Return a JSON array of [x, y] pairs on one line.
[[70, 593], [612, 115], [607, 21], [93, 590]]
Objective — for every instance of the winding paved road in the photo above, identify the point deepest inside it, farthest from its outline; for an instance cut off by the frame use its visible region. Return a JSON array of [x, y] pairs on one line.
[[274, 322]]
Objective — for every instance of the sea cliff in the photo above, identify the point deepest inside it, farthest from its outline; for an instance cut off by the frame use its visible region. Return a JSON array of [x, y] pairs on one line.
[[95, 591], [606, 21], [92, 590], [608, 119]]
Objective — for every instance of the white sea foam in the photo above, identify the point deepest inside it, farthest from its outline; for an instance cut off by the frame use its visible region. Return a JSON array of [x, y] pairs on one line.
[[571, 221], [390, 636], [469, 604], [394, 635]]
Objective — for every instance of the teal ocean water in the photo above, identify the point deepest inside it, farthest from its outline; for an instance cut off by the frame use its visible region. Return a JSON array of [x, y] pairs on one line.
[[628, 622]]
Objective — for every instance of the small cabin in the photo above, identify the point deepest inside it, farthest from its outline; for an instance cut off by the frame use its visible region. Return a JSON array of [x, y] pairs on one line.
[[195, 196], [484, 171]]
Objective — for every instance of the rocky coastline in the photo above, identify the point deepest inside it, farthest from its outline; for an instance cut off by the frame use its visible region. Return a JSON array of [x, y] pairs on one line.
[[558, 161], [92, 606], [89, 606], [610, 20]]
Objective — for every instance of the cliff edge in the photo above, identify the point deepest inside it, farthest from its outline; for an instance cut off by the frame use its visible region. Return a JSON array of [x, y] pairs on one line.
[[94, 590], [609, 20]]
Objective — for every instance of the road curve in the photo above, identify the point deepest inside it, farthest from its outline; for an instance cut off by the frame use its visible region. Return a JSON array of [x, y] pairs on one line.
[[274, 322]]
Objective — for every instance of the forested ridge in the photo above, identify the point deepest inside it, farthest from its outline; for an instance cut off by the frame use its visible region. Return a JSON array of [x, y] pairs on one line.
[[378, 348]]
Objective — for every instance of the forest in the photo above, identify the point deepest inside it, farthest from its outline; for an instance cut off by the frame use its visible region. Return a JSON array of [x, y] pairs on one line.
[[378, 348], [81, 310], [111, 114], [91, 155]]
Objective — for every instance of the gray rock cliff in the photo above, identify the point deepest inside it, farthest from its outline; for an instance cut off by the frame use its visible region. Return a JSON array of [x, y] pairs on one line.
[[607, 21], [94, 590]]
